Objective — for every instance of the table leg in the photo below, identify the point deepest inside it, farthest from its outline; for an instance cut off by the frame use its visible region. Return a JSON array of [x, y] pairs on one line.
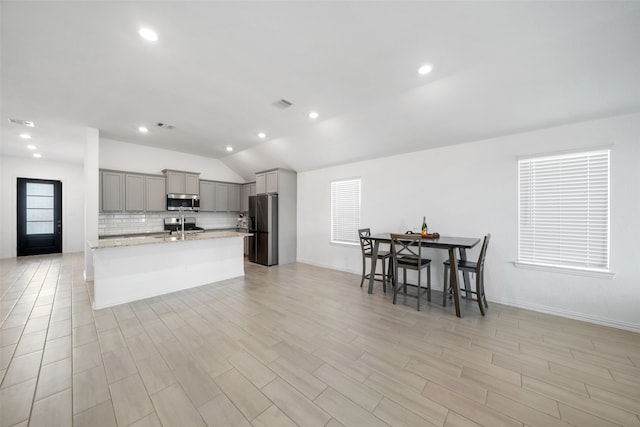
[[454, 280], [374, 258], [465, 274]]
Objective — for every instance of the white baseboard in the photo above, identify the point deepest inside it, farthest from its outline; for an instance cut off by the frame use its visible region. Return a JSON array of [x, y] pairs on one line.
[[571, 315], [330, 267]]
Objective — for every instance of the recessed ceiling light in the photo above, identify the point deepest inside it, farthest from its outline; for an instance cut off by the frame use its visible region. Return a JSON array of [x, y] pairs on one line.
[[425, 69], [313, 115], [37, 155], [148, 34], [229, 148], [262, 135], [31, 147], [25, 136], [143, 129]]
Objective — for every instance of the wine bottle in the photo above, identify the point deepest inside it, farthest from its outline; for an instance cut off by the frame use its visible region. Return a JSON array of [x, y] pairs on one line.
[[424, 226]]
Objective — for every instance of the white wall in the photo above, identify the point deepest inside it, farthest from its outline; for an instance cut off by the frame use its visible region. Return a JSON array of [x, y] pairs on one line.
[[91, 200], [471, 190], [124, 156], [72, 177]]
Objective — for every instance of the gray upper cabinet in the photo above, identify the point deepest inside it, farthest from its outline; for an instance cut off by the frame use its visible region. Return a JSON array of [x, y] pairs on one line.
[[207, 196], [222, 197], [179, 182], [244, 197], [156, 199], [112, 191], [261, 183], [267, 182], [176, 183], [272, 182], [134, 192], [234, 198], [192, 183]]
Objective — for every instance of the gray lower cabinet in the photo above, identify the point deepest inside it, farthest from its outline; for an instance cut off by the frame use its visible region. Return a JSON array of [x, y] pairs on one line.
[[207, 196], [234, 198], [222, 197], [112, 191], [134, 193], [155, 196]]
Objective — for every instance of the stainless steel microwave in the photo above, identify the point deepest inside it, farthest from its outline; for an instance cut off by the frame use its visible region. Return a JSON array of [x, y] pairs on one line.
[[188, 202]]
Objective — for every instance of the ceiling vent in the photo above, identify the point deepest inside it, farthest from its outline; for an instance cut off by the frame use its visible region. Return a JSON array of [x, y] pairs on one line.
[[23, 122], [165, 126], [282, 104]]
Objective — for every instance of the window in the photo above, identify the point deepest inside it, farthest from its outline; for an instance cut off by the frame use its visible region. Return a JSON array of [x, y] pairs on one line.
[[345, 211], [564, 211], [39, 208]]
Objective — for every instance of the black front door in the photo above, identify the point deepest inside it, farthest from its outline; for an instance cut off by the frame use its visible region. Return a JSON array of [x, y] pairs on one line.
[[39, 216]]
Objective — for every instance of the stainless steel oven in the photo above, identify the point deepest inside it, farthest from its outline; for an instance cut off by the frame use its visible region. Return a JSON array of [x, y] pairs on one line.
[[188, 202]]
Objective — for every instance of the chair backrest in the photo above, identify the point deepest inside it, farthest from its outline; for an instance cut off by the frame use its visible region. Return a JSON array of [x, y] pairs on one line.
[[406, 245], [483, 252], [365, 244]]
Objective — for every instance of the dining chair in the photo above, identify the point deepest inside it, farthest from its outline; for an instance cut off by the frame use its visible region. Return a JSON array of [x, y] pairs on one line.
[[472, 267], [366, 245], [406, 254]]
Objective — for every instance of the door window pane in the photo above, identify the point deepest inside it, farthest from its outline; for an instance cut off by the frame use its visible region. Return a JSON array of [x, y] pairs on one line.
[[37, 202], [36, 189], [39, 208]]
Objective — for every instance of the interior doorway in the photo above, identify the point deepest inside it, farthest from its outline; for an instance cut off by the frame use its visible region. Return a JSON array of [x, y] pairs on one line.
[[39, 216]]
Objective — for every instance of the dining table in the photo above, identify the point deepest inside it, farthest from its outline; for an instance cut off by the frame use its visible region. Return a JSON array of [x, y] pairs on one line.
[[451, 244]]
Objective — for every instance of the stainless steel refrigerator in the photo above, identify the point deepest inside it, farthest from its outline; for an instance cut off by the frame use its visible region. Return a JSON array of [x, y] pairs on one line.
[[263, 224]]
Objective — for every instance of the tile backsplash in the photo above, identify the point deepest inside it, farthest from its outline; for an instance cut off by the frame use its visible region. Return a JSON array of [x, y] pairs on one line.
[[130, 223]]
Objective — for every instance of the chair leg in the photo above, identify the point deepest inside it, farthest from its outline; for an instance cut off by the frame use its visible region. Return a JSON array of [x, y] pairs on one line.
[[419, 288], [395, 283], [479, 294], [364, 265], [384, 278], [445, 286], [484, 298], [404, 280], [429, 282]]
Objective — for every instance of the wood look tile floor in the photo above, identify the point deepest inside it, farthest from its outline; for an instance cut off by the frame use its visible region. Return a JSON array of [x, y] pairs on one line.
[[297, 345]]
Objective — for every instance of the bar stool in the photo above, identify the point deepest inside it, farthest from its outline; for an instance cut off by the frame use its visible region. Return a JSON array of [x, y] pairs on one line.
[[471, 267], [366, 245]]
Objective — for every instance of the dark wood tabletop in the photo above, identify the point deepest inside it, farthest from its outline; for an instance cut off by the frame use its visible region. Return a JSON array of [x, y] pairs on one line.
[[443, 242]]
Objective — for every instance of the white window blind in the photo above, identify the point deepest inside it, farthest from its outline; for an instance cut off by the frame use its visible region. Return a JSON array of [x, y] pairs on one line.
[[345, 211], [564, 210]]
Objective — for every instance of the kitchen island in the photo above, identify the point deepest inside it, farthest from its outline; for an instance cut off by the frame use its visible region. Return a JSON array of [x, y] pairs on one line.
[[132, 268]]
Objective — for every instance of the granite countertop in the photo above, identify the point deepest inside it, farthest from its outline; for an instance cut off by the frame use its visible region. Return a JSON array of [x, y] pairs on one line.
[[114, 242]]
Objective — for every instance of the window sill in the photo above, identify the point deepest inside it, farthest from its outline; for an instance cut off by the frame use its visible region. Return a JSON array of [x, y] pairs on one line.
[[565, 270], [334, 243]]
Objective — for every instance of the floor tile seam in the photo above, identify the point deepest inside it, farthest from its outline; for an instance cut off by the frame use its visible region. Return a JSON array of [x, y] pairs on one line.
[[500, 411], [16, 303], [104, 372], [615, 405], [400, 402], [33, 401], [230, 400], [15, 280], [350, 400]]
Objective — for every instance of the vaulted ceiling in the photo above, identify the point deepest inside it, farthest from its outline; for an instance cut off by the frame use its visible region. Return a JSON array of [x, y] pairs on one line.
[[217, 68]]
